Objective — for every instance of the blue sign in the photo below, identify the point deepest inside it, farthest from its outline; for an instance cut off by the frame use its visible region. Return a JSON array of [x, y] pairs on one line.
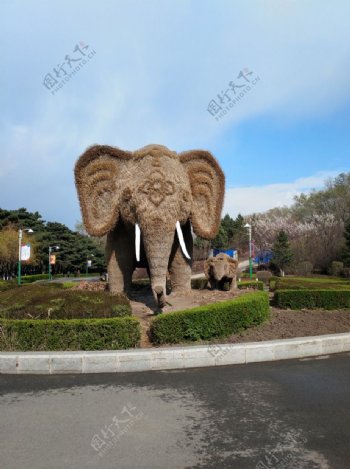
[[229, 252]]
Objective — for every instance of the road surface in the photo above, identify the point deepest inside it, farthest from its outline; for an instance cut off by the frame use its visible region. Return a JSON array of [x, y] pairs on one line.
[[290, 414]]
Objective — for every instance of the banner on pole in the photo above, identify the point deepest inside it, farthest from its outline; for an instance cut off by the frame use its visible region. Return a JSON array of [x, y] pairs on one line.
[[89, 263], [53, 259], [25, 252]]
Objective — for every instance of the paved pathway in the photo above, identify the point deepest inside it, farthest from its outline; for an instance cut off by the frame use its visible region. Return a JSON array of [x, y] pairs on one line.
[[242, 265], [291, 414]]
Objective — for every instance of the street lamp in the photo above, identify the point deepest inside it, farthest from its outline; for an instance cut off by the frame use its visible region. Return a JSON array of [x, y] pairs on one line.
[[51, 248], [87, 262], [249, 228], [20, 236]]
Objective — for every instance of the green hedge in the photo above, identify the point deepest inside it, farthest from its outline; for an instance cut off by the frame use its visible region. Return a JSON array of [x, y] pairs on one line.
[[312, 299], [69, 334], [246, 275], [273, 282], [212, 320], [201, 283], [308, 283], [36, 277], [256, 285]]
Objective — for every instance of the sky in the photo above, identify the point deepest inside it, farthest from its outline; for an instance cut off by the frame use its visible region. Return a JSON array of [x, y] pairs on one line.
[[151, 70]]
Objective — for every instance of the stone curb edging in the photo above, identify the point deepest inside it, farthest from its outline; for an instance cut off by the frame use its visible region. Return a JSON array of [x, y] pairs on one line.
[[171, 358]]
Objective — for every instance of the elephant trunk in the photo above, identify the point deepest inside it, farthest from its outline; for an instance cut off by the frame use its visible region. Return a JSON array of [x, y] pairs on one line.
[[218, 271], [158, 243]]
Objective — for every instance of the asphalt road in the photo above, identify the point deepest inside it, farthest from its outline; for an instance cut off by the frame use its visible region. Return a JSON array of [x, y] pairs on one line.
[[289, 414]]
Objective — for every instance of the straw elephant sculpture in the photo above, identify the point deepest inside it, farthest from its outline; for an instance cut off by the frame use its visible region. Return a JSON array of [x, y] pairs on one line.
[[221, 269], [147, 203]]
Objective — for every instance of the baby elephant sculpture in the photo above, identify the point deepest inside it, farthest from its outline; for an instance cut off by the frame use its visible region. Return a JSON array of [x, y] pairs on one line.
[[145, 202], [220, 270]]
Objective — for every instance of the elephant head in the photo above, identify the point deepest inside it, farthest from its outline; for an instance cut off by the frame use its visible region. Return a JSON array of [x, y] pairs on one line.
[[153, 191], [220, 267]]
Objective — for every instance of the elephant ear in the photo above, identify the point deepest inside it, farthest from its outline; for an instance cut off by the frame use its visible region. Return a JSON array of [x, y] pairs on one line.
[[207, 263], [233, 266], [96, 174], [208, 187]]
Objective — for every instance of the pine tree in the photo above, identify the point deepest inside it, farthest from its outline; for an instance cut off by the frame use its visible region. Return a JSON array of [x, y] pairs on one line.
[[346, 250], [281, 252], [220, 241]]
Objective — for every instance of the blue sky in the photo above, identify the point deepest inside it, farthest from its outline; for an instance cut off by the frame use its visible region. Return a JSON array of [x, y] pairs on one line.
[[157, 65]]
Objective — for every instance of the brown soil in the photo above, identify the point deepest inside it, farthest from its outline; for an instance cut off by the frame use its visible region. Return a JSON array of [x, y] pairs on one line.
[[284, 324]]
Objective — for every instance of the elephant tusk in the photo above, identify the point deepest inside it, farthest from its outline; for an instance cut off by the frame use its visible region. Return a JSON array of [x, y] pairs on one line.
[[181, 240], [137, 241]]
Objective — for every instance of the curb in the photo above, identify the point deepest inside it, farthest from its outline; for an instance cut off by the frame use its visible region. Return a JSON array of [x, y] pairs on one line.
[[171, 358]]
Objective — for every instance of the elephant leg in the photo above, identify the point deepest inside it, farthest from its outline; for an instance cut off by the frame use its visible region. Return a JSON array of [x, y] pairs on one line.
[[233, 284], [180, 268], [120, 259]]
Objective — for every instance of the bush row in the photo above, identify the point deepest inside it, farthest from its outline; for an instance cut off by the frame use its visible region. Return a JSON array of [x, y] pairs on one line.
[[35, 277], [255, 285], [272, 283], [212, 320], [308, 283], [201, 283], [246, 275], [71, 334], [312, 299]]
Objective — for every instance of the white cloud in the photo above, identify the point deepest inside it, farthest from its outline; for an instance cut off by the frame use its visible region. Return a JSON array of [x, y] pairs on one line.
[[253, 199]]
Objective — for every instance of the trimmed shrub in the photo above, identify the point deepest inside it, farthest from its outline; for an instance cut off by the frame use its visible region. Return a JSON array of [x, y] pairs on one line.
[[308, 283], [255, 285], [264, 276], [201, 283], [312, 299], [246, 275], [71, 334], [36, 277], [212, 320], [273, 283], [120, 311]]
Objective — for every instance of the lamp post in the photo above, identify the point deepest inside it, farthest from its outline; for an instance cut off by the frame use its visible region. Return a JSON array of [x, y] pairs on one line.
[[51, 248], [87, 262], [20, 236], [249, 228]]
